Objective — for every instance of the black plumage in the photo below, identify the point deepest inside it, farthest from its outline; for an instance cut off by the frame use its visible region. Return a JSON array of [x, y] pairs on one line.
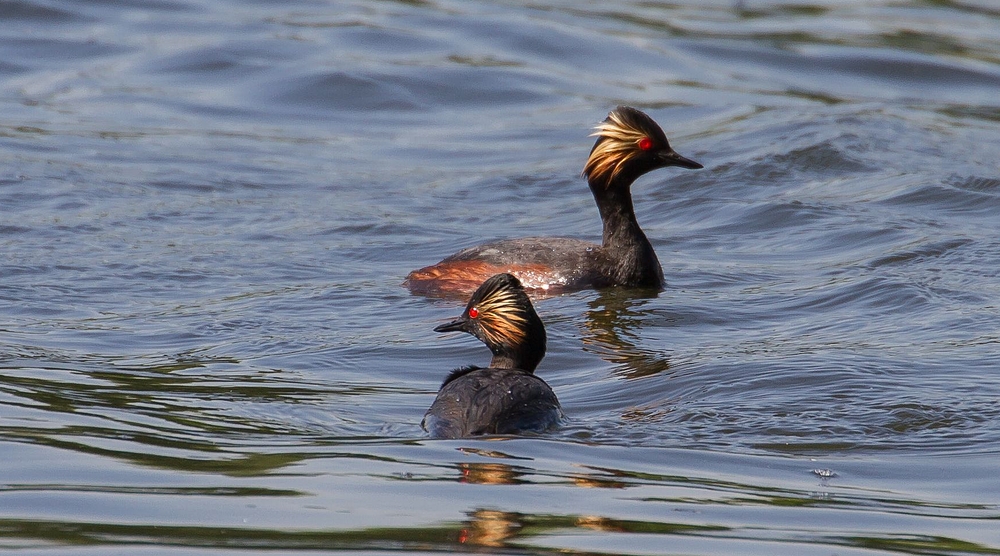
[[506, 397]]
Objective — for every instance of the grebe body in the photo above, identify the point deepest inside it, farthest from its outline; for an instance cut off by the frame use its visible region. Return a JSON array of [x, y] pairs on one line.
[[629, 144], [506, 397]]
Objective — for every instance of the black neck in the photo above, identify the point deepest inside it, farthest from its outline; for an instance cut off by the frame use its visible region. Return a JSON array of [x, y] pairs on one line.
[[526, 356], [634, 262]]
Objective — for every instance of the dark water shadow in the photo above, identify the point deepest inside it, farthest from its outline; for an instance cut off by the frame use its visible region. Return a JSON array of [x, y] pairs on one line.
[[610, 330]]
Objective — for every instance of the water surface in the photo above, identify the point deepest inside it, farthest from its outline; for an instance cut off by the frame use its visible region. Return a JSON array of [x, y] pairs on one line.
[[210, 207]]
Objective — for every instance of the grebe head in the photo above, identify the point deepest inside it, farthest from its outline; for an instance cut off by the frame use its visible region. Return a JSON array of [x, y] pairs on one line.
[[500, 314], [629, 144]]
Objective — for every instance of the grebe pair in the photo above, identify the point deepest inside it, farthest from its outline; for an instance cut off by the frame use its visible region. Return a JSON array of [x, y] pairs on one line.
[[507, 397]]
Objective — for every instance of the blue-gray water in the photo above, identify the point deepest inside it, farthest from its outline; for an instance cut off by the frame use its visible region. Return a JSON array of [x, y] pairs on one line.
[[209, 207]]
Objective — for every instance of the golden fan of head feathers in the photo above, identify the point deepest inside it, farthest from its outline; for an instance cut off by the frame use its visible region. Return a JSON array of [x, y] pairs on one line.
[[618, 144], [504, 310]]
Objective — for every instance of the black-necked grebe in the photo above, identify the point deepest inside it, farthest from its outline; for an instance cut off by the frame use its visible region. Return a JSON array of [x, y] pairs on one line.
[[629, 144], [506, 398]]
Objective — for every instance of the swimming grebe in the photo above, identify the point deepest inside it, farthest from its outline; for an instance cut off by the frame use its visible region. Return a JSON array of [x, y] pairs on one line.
[[506, 398], [629, 144]]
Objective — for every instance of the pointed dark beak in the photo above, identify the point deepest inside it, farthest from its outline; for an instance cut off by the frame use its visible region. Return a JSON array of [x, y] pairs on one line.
[[671, 158], [453, 326]]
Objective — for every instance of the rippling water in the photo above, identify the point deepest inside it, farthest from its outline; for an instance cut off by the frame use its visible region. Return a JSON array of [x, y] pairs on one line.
[[209, 208]]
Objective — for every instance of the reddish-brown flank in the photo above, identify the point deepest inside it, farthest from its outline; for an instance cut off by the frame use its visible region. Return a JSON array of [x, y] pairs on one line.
[[463, 277]]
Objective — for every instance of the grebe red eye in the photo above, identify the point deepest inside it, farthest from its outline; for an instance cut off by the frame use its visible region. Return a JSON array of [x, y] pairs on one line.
[[473, 312], [645, 143]]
